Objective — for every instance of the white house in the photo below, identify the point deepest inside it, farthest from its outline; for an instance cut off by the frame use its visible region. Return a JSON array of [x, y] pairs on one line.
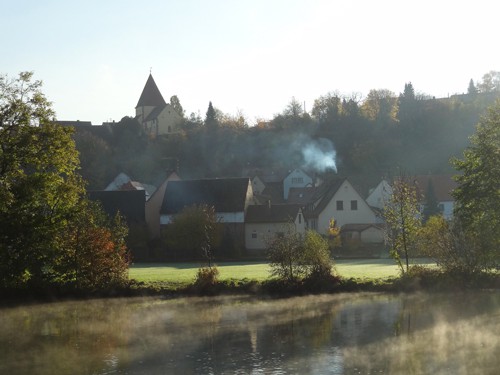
[[296, 179], [154, 114], [379, 195], [265, 221], [341, 202]]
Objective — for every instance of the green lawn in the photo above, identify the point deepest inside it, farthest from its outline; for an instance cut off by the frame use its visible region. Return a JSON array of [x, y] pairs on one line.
[[185, 272]]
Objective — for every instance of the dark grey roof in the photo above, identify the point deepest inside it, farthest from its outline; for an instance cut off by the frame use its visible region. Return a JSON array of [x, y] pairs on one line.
[[278, 213], [224, 194], [130, 203], [151, 95], [74, 123], [155, 112]]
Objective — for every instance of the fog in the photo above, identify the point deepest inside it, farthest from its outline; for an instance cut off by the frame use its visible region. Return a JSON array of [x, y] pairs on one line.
[[341, 334]]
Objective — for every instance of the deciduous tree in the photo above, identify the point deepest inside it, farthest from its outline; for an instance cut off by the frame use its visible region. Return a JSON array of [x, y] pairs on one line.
[[402, 219]]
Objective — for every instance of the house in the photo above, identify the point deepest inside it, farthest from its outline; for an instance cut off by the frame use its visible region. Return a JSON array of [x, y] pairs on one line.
[[276, 185], [363, 233], [296, 179], [123, 182], [230, 198], [340, 201], [154, 114], [129, 203], [379, 195], [441, 186], [264, 221], [153, 205]]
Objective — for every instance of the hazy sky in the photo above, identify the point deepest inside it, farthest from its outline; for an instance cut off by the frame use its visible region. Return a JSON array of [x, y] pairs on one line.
[[94, 56]]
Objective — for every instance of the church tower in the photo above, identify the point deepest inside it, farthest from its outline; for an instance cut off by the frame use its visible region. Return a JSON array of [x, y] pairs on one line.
[[153, 113], [150, 99]]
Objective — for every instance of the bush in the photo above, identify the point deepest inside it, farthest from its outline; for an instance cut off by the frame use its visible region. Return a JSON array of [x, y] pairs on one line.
[[295, 257], [455, 250], [206, 280]]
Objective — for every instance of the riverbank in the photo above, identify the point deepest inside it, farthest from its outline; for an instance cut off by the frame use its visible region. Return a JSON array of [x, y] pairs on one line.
[[156, 281]]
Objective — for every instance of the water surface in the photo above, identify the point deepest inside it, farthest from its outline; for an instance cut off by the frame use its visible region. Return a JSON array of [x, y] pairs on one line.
[[334, 334]]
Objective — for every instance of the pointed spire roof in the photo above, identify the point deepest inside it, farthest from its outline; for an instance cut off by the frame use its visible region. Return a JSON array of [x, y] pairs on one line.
[[151, 95]]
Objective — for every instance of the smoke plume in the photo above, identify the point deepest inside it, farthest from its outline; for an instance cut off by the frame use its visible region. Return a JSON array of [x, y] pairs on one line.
[[319, 155]]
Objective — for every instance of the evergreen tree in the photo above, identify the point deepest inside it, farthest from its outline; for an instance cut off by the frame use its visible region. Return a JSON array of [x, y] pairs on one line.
[[211, 121], [472, 89], [478, 193]]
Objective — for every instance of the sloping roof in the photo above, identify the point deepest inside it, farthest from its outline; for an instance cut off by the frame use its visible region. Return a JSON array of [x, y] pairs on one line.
[[360, 227], [130, 203], [224, 194], [76, 123], [155, 112], [278, 213], [151, 95], [120, 180], [326, 195], [273, 192], [443, 185], [303, 195]]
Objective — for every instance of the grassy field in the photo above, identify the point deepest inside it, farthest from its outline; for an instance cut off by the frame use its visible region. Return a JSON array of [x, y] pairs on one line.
[[185, 272]]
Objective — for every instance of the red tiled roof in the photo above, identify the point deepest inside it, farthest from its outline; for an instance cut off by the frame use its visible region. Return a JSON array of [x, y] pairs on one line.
[[443, 185]]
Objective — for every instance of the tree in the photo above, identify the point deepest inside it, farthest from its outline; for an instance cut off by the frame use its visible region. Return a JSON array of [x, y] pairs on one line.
[[293, 109], [316, 257], [478, 192], [407, 105], [176, 105], [285, 253], [97, 257], [453, 249], [380, 106], [39, 186], [294, 256], [472, 89], [327, 108], [211, 121], [195, 232], [402, 218], [41, 194], [94, 152], [490, 82]]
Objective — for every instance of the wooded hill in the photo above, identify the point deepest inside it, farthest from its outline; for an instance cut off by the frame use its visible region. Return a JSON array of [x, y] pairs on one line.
[[370, 138]]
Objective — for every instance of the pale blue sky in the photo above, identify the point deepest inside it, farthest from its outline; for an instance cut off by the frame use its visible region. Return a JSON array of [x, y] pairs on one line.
[[94, 56]]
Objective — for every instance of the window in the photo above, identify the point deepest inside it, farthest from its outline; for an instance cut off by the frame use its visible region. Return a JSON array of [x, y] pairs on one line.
[[254, 235], [340, 205], [300, 218], [441, 207], [297, 180], [354, 205]]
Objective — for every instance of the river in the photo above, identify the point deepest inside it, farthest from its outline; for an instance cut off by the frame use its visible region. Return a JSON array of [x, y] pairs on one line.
[[326, 334]]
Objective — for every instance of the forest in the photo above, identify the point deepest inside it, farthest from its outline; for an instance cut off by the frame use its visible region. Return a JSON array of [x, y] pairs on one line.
[[371, 138]]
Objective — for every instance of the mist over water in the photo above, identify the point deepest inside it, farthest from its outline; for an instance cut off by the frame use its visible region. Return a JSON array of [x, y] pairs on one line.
[[331, 334]]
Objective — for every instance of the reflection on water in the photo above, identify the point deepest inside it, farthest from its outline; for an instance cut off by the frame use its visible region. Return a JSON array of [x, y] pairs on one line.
[[339, 334]]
